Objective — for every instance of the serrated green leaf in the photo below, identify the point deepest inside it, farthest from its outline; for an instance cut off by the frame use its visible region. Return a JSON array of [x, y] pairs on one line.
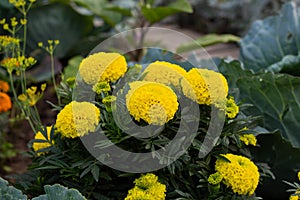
[[156, 14], [60, 192], [269, 41], [207, 40]]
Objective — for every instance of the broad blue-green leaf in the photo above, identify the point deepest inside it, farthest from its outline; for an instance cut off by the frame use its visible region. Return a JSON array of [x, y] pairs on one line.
[[60, 192], [101, 8], [207, 40], [56, 22], [284, 161], [156, 14], [270, 43], [277, 99], [9, 192]]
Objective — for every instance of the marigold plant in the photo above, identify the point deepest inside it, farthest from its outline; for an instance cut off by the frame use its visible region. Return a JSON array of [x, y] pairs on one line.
[[39, 145], [153, 102], [77, 119], [102, 67], [239, 173], [5, 102]]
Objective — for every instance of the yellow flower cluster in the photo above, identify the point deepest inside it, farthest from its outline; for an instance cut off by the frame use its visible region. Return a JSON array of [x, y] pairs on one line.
[[205, 87], [77, 119], [6, 41], [99, 67], [248, 139], [32, 96], [240, 174], [101, 87], [147, 187], [153, 102], [231, 108], [17, 63], [42, 145], [165, 73]]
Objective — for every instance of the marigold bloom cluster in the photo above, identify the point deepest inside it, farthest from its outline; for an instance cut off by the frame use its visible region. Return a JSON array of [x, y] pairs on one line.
[[4, 86], [248, 139], [240, 174], [102, 67], [165, 73], [205, 87], [77, 119], [5, 102], [153, 102], [42, 145], [231, 108], [147, 187]]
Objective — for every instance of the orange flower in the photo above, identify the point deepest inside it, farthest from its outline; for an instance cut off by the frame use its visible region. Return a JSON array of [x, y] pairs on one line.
[[5, 102], [4, 87]]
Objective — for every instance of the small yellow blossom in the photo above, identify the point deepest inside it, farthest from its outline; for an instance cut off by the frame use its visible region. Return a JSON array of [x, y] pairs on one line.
[[101, 87], [23, 21], [42, 145], [215, 178], [77, 119], [99, 67], [294, 197], [231, 108], [239, 173], [32, 96], [248, 139], [153, 102]]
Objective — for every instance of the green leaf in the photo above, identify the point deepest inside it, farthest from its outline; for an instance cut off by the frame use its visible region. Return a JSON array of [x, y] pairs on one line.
[[207, 40], [95, 172], [156, 14], [9, 192], [277, 99], [269, 42], [102, 9], [56, 22], [284, 161], [71, 70], [59, 192]]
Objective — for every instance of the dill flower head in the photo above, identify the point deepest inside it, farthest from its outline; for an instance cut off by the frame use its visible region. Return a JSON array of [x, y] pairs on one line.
[[153, 102], [240, 174], [102, 67], [6, 41], [231, 108], [5, 102], [205, 87], [42, 145], [165, 73], [147, 187], [248, 139], [4, 87], [77, 119]]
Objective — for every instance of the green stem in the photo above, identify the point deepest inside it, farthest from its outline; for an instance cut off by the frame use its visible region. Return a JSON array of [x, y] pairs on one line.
[[19, 104], [53, 77], [24, 35]]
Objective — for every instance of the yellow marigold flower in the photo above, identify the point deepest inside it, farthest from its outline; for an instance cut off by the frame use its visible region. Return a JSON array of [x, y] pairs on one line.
[[231, 108], [299, 176], [42, 145], [294, 197], [248, 139], [165, 73], [215, 178], [5, 102], [205, 87], [101, 87], [98, 67], [153, 102], [147, 187], [240, 174], [77, 119], [4, 87]]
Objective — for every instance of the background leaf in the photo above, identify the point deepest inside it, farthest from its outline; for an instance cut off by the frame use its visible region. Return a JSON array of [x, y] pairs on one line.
[[270, 40], [156, 14], [10, 193], [56, 22]]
